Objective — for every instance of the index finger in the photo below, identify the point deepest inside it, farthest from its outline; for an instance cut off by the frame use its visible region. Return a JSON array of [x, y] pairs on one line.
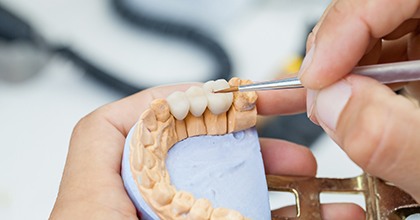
[[281, 102]]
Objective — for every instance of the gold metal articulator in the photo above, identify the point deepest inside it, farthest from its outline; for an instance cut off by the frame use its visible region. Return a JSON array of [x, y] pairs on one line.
[[383, 200]]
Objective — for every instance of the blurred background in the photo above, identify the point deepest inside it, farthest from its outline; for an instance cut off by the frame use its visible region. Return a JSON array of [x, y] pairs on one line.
[[61, 59]]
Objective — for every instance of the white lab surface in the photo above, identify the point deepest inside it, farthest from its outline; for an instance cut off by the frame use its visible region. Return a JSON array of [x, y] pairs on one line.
[[37, 115]]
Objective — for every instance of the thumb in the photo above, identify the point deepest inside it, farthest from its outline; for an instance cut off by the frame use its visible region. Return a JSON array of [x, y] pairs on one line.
[[377, 128]]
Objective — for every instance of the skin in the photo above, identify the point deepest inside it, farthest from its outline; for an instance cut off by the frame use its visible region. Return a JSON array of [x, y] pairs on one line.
[[375, 127]]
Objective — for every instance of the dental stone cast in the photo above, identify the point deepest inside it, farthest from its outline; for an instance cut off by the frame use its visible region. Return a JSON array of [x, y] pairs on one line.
[[167, 122]]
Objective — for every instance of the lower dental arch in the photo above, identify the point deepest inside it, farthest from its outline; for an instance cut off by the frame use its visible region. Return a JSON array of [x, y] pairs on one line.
[[198, 111]]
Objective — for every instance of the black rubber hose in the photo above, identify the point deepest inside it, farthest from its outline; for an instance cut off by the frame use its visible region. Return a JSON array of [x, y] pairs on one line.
[[181, 31], [94, 71], [13, 28]]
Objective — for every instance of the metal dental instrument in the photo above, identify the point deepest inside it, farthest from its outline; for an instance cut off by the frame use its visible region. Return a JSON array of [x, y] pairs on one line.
[[384, 73]]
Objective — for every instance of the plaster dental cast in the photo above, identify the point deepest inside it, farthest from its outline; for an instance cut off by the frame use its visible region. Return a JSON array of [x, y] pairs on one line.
[[218, 174], [92, 176]]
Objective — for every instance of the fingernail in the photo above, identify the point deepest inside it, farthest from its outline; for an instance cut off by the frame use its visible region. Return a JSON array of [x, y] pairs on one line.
[[310, 98], [330, 102], [306, 61]]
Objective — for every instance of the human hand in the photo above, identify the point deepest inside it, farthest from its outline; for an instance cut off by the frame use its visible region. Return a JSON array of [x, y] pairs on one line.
[[373, 125], [92, 187]]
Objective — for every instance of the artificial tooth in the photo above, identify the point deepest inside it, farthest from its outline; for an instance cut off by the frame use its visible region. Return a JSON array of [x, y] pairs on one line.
[[178, 104], [218, 102], [220, 84], [208, 86], [198, 100]]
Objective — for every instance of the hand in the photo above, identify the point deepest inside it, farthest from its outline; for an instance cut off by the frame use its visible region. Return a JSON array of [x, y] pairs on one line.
[[92, 187], [373, 125]]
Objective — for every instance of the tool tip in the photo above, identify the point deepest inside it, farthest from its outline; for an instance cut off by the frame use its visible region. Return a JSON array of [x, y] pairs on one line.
[[231, 89]]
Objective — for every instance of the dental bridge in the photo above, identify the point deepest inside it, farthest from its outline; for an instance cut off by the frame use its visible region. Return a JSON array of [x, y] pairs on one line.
[[199, 111]]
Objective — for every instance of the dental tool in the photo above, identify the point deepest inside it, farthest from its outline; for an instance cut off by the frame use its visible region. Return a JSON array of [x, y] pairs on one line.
[[385, 73]]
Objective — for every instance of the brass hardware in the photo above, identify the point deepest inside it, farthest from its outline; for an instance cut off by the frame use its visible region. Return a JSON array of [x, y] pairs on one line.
[[383, 201]]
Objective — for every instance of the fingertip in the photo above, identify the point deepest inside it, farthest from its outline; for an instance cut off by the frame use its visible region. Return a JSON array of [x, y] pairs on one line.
[[311, 97], [342, 211], [310, 41], [286, 158], [307, 61], [275, 102]]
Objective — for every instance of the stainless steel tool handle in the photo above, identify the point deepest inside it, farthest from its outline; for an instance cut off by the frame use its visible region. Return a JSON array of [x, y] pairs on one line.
[[391, 72], [384, 73]]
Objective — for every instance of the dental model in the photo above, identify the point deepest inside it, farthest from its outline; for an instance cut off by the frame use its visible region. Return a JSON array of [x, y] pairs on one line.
[[214, 169]]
